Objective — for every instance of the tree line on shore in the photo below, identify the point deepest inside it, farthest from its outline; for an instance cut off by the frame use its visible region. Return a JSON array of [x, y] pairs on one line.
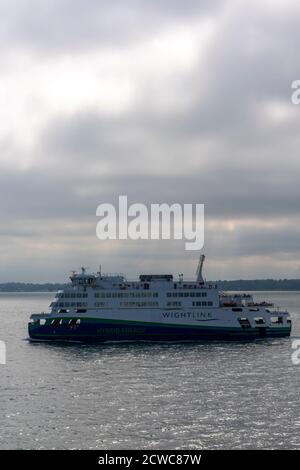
[[237, 285]]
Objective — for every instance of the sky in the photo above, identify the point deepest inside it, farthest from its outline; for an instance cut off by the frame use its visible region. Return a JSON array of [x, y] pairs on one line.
[[163, 101]]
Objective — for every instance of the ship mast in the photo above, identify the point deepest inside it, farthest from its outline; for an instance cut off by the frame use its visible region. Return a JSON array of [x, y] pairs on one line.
[[199, 269]]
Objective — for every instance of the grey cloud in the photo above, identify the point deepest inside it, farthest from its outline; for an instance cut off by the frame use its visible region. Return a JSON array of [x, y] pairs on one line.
[[249, 63], [253, 240], [220, 149], [60, 25], [64, 199], [232, 179]]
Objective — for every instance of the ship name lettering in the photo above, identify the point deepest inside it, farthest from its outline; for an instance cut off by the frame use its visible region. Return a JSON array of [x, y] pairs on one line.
[[193, 315]]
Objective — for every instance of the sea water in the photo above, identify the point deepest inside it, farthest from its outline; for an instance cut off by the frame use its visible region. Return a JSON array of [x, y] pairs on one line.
[[146, 396]]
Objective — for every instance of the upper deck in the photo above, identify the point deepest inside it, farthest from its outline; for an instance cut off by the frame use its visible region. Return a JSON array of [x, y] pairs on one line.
[[162, 282], [150, 291], [113, 291]]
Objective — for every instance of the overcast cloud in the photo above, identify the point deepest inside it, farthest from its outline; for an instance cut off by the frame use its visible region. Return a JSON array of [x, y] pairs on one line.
[[164, 101]]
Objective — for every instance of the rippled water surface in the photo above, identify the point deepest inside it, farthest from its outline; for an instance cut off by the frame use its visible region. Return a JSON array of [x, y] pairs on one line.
[[215, 396]]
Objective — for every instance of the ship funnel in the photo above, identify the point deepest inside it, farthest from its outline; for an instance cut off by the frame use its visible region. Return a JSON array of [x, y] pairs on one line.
[[199, 269]]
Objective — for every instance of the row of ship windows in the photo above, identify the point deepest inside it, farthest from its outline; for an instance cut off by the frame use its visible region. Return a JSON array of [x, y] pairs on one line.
[[139, 304], [130, 304], [148, 294], [203, 304], [72, 296], [186, 294], [68, 304], [103, 304], [195, 304], [109, 295]]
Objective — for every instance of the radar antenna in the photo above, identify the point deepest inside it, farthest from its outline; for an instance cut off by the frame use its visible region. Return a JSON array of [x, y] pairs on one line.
[[199, 269], [83, 269]]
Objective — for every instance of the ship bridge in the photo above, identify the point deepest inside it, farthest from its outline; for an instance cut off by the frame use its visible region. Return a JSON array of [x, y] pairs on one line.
[[82, 278]]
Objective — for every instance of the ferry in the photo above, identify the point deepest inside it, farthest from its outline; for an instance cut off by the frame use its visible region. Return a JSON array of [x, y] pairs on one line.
[[107, 308]]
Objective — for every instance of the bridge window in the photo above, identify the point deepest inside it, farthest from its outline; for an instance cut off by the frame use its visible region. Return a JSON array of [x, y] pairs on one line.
[[201, 304]]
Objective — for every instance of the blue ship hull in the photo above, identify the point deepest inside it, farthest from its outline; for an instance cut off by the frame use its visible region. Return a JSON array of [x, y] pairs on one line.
[[99, 331]]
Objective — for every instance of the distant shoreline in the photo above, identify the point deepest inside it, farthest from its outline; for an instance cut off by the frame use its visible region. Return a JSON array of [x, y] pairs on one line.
[[236, 285]]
